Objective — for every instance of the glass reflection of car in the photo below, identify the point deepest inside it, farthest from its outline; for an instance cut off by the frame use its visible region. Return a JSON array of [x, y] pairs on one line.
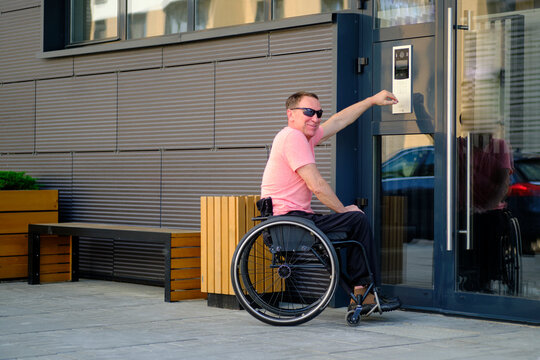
[[409, 174], [524, 199]]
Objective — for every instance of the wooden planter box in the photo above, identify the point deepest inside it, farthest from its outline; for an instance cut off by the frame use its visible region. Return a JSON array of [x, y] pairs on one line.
[[18, 208]]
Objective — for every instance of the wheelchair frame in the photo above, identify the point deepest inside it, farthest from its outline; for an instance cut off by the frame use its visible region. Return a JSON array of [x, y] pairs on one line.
[[285, 271]]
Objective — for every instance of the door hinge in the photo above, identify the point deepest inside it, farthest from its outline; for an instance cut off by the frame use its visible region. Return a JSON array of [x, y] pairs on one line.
[[360, 63]]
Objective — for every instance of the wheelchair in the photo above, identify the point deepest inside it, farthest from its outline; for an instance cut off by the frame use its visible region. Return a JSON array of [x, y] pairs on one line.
[[494, 264], [285, 271]]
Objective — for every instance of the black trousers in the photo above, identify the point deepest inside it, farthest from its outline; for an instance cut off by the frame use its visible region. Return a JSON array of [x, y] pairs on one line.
[[356, 225]]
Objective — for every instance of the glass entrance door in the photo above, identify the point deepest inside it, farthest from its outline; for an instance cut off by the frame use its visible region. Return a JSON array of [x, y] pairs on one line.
[[497, 150]]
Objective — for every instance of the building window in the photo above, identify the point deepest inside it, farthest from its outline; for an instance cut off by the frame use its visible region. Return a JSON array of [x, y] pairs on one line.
[[93, 20], [394, 13], [147, 18], [111, 20], [218, 13], [289, 8]]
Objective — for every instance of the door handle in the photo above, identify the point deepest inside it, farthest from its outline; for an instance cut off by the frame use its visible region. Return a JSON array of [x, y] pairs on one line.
[[449, 129], [468, 195]]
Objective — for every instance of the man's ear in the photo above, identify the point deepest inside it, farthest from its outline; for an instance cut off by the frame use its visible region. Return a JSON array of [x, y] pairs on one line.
[[289, 115]]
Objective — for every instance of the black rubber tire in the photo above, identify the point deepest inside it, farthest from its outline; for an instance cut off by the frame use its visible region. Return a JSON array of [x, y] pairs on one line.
[[287, 278], [350, 321]]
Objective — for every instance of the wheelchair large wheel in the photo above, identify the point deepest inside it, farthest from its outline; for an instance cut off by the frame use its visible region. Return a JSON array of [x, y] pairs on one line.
[[511, 258], [284, 271]]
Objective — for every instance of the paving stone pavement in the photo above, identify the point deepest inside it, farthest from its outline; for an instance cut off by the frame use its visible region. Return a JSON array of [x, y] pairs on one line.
[[94, 319]]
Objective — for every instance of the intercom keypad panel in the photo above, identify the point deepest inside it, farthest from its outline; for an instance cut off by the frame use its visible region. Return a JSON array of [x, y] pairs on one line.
[[401, 78]]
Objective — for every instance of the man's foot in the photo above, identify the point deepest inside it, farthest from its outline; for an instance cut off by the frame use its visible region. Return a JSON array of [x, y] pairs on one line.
[[370, 302], [389, 304]]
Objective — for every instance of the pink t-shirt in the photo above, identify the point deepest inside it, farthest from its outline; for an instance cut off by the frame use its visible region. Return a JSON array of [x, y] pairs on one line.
[[290, 151], [492, 165]]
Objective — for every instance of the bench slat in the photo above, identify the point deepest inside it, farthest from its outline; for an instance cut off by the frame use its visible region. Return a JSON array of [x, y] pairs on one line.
[[54, 259], [186, 295], [54, 268], [185, 263], [186, 252], [186, 284], [188, 273], [192, 239], [56, 277]]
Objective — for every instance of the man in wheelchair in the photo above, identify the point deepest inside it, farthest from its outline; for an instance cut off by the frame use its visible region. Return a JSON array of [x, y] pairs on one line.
[[291, 177]]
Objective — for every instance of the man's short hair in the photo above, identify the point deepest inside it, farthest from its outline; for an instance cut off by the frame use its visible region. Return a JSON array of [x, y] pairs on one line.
[[294, 99]]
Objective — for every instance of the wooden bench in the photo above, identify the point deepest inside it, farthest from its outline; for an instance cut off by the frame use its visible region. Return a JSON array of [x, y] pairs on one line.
[[181, 249]]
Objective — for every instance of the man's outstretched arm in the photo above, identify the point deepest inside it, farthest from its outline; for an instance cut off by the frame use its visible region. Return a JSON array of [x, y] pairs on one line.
[[347, 116]]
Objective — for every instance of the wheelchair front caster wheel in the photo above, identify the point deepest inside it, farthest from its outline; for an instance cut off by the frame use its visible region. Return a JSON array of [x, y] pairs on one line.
[[353, 318]]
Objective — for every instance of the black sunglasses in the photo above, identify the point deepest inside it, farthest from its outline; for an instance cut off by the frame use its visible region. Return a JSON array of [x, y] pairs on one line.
[[309, 112]]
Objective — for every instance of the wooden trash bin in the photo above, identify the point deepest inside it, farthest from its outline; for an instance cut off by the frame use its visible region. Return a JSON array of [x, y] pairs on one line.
[[224, 221]]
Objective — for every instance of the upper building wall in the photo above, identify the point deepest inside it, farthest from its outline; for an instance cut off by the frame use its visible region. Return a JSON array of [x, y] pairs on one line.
[[138, 135]]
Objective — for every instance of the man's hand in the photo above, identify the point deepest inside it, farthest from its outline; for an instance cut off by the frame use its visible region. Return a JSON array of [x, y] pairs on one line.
[[347, 116], [383, 98], [353, 208]]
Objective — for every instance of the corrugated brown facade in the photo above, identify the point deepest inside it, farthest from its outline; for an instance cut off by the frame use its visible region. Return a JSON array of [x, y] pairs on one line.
[[137, 136]]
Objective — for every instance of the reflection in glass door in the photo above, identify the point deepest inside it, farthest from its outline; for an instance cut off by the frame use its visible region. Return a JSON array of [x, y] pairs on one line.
[[498, 147], [407, 179]]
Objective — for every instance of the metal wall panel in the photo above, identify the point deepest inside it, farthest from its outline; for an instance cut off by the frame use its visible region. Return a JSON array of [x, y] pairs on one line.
[[52, 171], [169, 108], [11, 5], [17, 116], [251, 94], [96, 257], [118, 61], [238, 47], [139, 261], [76, 114], [20, 35], [122, 260], [309, 38], [323, 156], [122, 188], [188, 175]]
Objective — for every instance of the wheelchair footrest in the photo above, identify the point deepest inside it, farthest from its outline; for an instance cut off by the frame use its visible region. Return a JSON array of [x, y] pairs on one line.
[[368, 309]]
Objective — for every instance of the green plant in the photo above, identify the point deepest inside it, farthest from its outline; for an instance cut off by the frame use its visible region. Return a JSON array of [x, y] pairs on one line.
[[17, 180]]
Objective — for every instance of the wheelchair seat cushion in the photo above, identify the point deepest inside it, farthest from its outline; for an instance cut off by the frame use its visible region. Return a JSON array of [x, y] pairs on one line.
[[334, 236]]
